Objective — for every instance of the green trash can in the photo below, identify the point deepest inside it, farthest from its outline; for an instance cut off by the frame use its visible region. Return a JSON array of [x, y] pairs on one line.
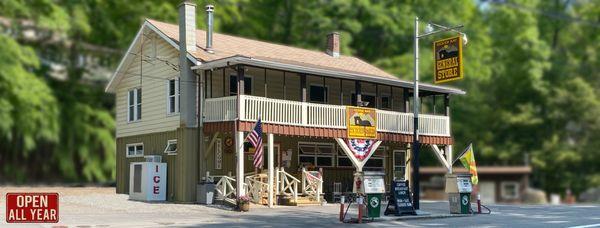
[[374, 205]]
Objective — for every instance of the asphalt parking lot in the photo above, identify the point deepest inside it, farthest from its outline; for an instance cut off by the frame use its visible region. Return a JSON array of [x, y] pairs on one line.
[[101, 207]]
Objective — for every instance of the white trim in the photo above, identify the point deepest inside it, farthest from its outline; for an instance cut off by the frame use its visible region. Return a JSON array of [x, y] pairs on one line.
[[135, 150], [404, 152], [517, 186], [169, 142], [117, 75], [135, 104], [177, 96]]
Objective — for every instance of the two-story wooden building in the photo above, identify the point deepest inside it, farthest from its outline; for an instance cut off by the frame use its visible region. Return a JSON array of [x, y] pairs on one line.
[[192, 100]]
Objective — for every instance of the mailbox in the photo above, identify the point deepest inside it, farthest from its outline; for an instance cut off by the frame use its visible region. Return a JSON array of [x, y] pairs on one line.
[[148, 180], [459, 188]]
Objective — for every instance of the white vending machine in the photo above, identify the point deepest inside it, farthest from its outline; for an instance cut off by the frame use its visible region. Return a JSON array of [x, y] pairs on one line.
[[148, 180]]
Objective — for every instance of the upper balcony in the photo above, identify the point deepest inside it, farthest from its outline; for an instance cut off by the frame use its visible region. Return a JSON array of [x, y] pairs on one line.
[[305, 114]]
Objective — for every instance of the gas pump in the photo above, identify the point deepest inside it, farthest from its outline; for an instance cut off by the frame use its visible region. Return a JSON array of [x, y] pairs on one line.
[[372, 186], [459, 188]]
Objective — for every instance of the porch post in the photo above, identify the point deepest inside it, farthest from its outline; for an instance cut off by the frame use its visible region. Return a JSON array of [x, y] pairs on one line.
[[239, 151], [406, 100], [357, 93], [241, 80], [271, 161], [449, 157], [303, 87]]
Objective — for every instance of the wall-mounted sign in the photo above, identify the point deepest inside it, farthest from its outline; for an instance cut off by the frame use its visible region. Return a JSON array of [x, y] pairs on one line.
[[218, 154], [448, 59], [362, 122]]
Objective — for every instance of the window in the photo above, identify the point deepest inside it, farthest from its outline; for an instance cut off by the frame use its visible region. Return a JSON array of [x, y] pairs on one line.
[[386, 102], [364, 98], [509, 190], [377, 160], [171, 147], [342, 159], [318, 93], [399, 164], [233, 85], [134, 105], [173, 94], [315, 154], [135, 150]]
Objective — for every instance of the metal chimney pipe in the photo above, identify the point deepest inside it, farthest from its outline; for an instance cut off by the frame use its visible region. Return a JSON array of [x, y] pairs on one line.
[[209, 27]]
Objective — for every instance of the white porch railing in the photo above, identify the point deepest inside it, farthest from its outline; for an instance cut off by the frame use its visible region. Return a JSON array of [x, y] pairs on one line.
[[256, 188], [220, 109], [224, 187], [312, 185], [288, 184], [296, 113]]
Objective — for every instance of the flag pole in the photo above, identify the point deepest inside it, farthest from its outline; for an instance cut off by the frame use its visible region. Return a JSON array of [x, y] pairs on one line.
[[462, 153]]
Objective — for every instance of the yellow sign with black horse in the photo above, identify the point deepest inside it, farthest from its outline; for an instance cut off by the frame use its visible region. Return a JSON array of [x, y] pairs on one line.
[[448, 59], [362, 122]]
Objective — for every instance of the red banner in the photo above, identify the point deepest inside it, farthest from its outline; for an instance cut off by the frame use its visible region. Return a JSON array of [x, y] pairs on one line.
[[32, 207]]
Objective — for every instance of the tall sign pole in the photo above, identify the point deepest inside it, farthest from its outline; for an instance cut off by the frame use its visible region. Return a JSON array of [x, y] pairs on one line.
[[416, 146]]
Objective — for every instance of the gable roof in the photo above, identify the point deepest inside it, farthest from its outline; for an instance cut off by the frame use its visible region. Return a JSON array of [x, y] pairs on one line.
[[228, 48]]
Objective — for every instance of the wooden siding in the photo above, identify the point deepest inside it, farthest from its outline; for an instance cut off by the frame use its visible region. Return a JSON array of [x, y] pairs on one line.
[[181, 168], [154, 90]]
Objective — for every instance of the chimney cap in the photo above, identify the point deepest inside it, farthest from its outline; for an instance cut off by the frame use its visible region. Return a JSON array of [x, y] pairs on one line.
[[210, 8], [187, 2]]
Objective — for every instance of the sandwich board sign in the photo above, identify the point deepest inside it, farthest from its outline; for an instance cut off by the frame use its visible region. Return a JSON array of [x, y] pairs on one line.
[[448, 64]]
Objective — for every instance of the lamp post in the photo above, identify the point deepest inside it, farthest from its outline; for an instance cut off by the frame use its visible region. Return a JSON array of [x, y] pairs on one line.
[[416, 145]]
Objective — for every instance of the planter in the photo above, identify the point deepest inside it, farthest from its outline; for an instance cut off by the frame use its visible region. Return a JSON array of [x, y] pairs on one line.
[[244, 206]]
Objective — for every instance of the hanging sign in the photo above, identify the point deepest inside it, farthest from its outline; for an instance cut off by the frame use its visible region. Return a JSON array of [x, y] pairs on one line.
[[448, 59], [218, 154], [362, 122]]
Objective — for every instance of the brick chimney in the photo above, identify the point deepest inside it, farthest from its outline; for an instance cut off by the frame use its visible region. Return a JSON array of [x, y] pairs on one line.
[[333, 44]]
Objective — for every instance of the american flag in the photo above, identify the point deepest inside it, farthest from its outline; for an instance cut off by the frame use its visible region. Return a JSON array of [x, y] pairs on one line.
[[255, 137]]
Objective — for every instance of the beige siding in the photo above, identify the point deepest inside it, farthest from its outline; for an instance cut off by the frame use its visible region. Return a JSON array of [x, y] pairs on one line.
[[154, 90]]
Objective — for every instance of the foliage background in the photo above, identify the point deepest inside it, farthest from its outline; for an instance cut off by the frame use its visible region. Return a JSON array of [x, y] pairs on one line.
[[532, 75]]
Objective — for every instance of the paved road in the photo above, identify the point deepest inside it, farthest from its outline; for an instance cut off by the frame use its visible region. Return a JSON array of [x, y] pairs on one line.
[[101, 207]]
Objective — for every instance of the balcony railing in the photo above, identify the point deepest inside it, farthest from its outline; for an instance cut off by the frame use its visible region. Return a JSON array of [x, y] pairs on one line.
[[296, 113]]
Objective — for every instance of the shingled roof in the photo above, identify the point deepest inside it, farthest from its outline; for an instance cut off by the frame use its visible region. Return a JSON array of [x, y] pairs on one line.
[[225, 46]]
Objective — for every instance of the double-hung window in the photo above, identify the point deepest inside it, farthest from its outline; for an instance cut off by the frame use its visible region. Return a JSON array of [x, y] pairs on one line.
[[135, 150], [399, 164], [134, 105], [173, 95], [233, 85]]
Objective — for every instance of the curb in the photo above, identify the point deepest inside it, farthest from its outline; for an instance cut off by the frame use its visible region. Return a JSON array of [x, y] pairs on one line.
[[431, 216]]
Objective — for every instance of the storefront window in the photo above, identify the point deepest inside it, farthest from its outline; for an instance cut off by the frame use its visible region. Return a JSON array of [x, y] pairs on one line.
[[315, 154]]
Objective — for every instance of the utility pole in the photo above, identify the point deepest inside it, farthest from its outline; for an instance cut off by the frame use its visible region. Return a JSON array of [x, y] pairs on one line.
[[416, 146]]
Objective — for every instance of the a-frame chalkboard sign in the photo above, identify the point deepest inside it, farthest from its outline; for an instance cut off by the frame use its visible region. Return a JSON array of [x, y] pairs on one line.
[[400, 202]]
